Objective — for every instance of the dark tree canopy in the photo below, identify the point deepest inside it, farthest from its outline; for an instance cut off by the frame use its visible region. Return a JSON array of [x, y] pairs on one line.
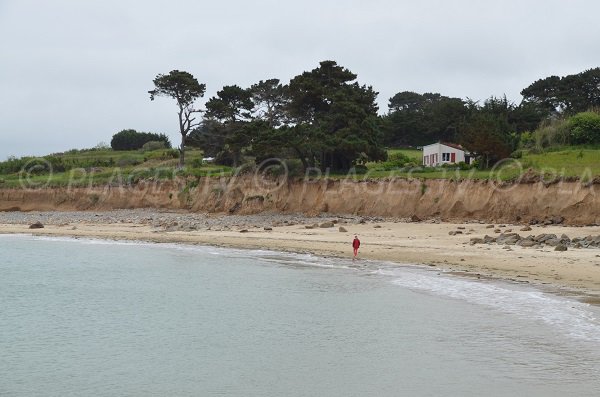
[[231, 110], [334, 118], [419, 119], [185, 89], [270, 99], [325, 119], [487, 132], [231, 104], [570, 94], [133, 140]]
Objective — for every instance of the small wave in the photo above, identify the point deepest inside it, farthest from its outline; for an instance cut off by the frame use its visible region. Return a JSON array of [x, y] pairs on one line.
[[574, 318]]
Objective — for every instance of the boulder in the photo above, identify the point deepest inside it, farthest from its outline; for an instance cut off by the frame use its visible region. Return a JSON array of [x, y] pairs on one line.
[[36, 225], [342, 229], [326, 225], [476, 240], [557, 220], [268, 229], [527, 243], [414, 218], [525, 229], [541, 238], [244, 231], [560, 247], [553, 242], [489, 239], [489, 226]]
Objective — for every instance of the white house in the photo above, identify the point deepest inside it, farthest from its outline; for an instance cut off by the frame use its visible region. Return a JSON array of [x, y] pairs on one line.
[[440, 153]]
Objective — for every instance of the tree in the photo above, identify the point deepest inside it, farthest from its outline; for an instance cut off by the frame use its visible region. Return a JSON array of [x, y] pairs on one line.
[[185, 89], [231, 108], [569, 94], [419, 119], [270, 101], [133, 140], [487, 132], [333, 119]]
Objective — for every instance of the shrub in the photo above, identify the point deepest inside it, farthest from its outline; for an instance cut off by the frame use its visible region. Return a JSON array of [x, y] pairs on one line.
[[584, 128], [196, 163], [12, 165], [527, 139], [153, 145], [463, 166], [133, 140], [552, 133], [396, 161], [127, 161]]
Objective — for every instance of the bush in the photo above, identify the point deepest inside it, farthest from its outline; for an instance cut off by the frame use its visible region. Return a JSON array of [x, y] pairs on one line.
[[163, 155], [12, 165], [463, 166], [527, 139], [360, 169], [584, 128], [396, 161], [127, 161], [133, 140], [153, 145], [552, 133], [196, 163]]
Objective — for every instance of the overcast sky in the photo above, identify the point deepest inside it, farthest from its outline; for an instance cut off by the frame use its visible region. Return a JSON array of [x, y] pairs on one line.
[[75, 72]]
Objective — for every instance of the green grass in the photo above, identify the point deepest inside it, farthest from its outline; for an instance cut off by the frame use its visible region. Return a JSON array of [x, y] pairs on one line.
[[101, 167], [567, 162], [415, 154]]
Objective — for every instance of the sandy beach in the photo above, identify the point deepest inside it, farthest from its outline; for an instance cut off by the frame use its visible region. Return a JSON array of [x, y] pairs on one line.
[[428, 243]]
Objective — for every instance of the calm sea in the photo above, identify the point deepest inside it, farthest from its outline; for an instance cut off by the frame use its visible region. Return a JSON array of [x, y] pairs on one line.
[[98, 318]]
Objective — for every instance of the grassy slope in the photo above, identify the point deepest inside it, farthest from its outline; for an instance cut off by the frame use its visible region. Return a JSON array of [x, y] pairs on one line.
[[567, 161], [90, 168], [129, 166]]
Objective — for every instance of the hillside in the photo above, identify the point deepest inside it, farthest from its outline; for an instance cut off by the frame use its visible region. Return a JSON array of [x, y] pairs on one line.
[[100, 167]]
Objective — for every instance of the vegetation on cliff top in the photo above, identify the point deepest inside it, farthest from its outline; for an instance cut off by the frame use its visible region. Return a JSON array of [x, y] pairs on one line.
[[323, 123]]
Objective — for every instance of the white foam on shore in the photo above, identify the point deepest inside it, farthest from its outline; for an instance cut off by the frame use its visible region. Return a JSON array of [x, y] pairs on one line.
[[571, 317]]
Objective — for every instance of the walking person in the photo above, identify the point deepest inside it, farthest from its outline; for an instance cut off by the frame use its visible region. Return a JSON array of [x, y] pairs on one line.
[[355, 246]]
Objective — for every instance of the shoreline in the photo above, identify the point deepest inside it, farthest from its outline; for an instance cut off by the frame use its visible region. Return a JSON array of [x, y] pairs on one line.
[[576, 271]]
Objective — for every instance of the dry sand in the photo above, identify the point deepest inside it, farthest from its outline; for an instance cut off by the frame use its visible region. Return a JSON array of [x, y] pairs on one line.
[[573, 271]]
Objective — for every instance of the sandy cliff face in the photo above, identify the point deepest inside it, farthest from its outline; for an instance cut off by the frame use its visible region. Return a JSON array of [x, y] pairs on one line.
[[450, 200]]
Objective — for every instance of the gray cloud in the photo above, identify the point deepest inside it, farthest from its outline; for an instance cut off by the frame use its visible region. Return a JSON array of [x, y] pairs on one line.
[[73, 73]]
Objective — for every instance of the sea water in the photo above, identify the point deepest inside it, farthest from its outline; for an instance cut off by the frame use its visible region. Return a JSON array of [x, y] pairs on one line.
[[102, 318]]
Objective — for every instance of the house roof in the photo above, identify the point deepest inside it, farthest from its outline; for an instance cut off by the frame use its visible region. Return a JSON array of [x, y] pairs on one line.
[[452, 145]]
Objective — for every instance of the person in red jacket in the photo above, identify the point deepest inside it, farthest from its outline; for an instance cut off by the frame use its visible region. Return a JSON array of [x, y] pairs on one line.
[[356, 246]]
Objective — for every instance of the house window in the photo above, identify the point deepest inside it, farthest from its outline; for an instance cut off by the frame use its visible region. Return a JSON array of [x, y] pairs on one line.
[[445, 156]]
